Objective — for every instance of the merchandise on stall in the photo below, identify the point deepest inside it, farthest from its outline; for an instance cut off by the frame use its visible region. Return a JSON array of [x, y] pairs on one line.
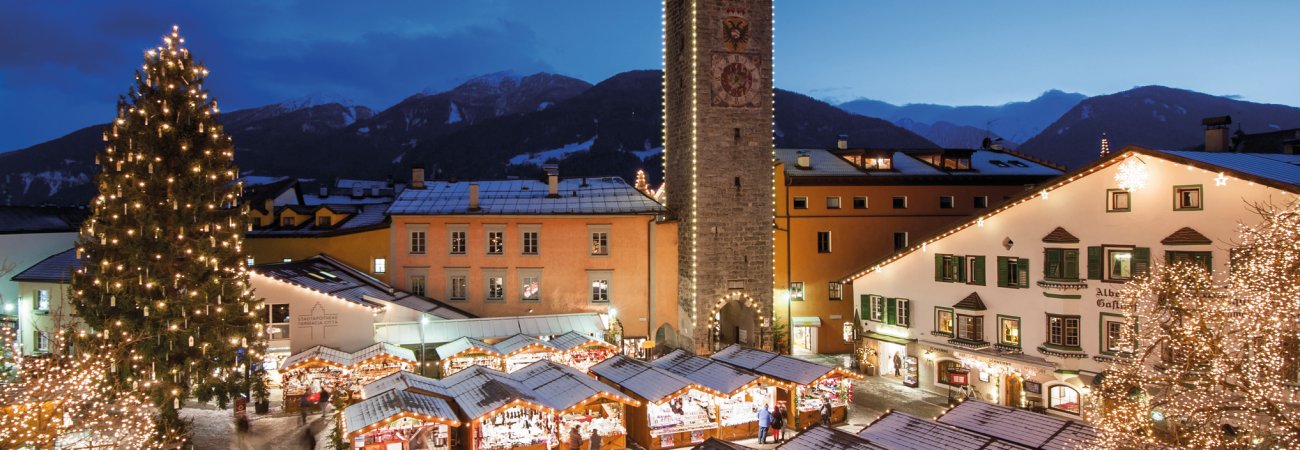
[[517, 427], [743, 407], [694, 410], [604, 417], [459, 363], [838, 389], [519, 360], [582, 358]]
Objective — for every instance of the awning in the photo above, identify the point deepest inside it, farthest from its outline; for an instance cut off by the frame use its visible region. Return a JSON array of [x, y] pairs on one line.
[[802, 321], [887, 338]]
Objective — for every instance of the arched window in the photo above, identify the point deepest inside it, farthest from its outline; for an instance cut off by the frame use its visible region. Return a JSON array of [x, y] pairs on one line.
[[941, 370], [1063, 398]]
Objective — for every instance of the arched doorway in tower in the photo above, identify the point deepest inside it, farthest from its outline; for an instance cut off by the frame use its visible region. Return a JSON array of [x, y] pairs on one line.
[[736, 319]]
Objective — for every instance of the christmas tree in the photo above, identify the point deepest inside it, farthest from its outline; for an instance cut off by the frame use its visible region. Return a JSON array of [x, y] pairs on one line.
[[162, 250]]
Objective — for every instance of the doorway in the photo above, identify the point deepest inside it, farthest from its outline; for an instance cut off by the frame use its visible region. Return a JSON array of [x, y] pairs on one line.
[[805, 340], [1012, 389]]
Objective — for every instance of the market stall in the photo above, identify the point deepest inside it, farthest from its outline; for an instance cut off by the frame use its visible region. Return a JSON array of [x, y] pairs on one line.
[[580, 351], [743, 393], [521, 350], [674, 411], [397, 419], [805, 384], [464, 353], [314, 369], [380, 360]]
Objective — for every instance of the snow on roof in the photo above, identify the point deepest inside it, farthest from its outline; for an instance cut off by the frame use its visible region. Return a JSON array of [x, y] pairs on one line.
[[595, 195], [774, 365], [441, 331], [826, 438], [901, 431], [1020, 426], [571, 340], [404, 381], [646, 381], [706, 372], [1278, 167], [827, 163], [386, 405], [329, 276]]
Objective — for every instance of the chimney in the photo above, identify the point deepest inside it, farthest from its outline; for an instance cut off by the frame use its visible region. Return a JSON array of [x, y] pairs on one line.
[[843, 142], [552, 180], [1216, 133], [473, 196], [804, 161], [324, 191], [417, 176]]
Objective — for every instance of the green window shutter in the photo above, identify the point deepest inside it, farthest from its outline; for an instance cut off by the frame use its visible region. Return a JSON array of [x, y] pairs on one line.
[[978, 267], [1053, 261], [1072, 264], [890, 313], [961, 268], [1023, 265], [1141, 260], [938, 267], [1095, 264], [1002, 272], [866, 307], [1209, 262]]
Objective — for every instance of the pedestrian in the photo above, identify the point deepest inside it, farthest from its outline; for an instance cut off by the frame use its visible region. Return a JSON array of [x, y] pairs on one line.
[[324, 401], [898, 365], [764, 421], [575, 439], [826, 411], [778, 422], [595, 441], [302, 409]]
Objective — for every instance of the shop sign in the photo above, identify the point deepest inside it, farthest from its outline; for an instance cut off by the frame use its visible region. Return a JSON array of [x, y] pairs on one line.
[[1033, 388], [957, 378], [911, 377], [1109, 298]]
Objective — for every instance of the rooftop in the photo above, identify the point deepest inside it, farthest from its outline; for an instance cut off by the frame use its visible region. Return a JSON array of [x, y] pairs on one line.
[[907, 163], [441, 331], [646, 381], [706, 372], [57, 268], [360, 218], [380, 408], [41, 219], [596, 195], [1019, 426], [774, 365], [901, 431], [324, 274]]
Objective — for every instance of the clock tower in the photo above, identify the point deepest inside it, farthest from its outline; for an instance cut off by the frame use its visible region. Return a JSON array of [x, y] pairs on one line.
[[718, 167]]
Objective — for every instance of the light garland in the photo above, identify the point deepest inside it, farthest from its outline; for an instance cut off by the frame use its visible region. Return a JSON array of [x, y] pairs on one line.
[[1132, 175]]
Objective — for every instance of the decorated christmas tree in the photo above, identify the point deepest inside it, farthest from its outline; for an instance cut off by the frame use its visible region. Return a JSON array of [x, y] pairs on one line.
[[162, 250]]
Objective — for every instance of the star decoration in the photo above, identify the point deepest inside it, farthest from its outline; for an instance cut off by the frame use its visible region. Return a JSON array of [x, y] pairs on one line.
[[1221, 180]]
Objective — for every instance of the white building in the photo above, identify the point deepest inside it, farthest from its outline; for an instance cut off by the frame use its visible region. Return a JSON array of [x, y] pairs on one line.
[[1022, 301], [29, 234]]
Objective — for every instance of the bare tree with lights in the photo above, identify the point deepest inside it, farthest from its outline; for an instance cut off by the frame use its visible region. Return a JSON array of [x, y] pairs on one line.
[[1211, 365], [162, 250]]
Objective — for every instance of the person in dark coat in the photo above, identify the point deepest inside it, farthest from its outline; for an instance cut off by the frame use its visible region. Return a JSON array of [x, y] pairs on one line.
[[324, 401], [595, 441], [575, 439], [826, 411], [778, 422], [302, 409]]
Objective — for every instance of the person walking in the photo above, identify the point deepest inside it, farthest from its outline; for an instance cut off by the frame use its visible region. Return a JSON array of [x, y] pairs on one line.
[[778, 423], [324, 401], [594, 444], [826, 411], [575, 439], [302, 409], [764, 421]]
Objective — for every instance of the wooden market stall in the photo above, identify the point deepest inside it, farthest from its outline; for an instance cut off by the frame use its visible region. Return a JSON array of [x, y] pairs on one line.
[[809, 384], [380, 360], [521, 350], [311, 370], [581, 351], [674, 411], [467, 352], [743, 393], [402, 420]]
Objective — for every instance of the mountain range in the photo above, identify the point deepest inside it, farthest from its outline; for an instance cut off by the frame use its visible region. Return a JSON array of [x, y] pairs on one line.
[[493, 126], [967, 126]]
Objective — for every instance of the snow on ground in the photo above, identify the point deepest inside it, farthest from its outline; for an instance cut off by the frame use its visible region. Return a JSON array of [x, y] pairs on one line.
[[213, 428], [539, 158]]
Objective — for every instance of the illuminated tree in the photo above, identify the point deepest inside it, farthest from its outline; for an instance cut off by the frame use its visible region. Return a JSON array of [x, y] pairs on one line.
[[162, 250], [1206, 364]]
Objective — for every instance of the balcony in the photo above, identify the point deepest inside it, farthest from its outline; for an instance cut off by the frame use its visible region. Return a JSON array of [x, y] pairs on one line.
[[1063, 285]]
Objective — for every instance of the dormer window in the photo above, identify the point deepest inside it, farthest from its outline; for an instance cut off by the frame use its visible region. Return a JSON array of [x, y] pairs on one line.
[[998, 163], [948, 160], [872, 161], [323, 221], [1018, 164], [286, 221]]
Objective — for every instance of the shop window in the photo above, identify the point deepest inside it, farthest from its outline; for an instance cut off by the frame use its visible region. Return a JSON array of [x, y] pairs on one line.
[[1063, 398], [835, 290], [41, 301], [900, 202], [457, 244], [1009, 330], [942, 368], [859, 203], [277, 320], [1187, 198], [981, 201], [457, 285], [417, 242], [900, 240], [1112, 334], [970, 328], [943, 321], [945, 202], [1118, 200], [1013, 272], [823, 242], [530, 241], [832, 203], [417, 285], [1063, 331], [496, 242], [600, 285], [1062, 264], [380, 265], [796, 291], [801, 203]]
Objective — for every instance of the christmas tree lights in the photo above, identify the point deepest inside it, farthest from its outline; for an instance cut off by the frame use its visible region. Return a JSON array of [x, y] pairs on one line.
[[162, 250]]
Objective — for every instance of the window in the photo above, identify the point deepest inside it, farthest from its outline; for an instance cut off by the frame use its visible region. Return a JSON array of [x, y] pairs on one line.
[[530, 239], [970, 328], [1063, 331], [1009, 330], [942, 368], [600, 285], [323, 221], [42, 341], [900, 202], [457, 285], [981, 201], [530, 289], [1198, 258], [1112, 334], [1013, 272], [943, 321], [287, 260], [277, 320], [796, 291], [1187, 198], [1062, 264], [949, 268], [41, 300], [847, 331], [975, 270], [286, 221], [600, 243], [832, 203], [835, 290], [249, 261], [859, 203], [945, 202], [823, 242], [417, 285], [457, 244], [496, 242], [875, 308], [380, 265], [998, 163], [1118, 200], [417, 242], [801, 203], [496, 287], [1119, 264], [902, 312], [1063, 398], [900, 240]]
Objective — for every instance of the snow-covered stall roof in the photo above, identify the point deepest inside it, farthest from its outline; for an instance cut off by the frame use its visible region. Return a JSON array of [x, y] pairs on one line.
[[1020, 426]]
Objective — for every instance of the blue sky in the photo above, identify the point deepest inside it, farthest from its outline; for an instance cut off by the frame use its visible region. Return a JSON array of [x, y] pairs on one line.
[[63, 63]]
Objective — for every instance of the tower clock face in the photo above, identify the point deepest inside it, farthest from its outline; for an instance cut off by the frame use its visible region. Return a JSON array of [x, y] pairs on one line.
[[735, 79]]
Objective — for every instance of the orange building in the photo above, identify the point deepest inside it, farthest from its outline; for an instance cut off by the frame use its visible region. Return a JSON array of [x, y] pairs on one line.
[[837, 210], [526, 247]]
